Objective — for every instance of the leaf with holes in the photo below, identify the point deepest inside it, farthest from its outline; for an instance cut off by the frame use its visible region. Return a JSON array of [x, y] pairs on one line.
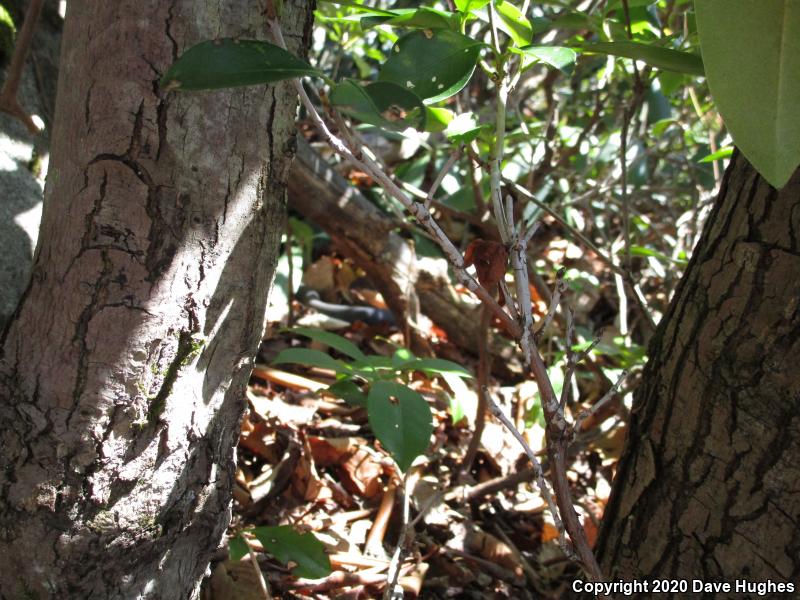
[[401, 420], [656, 56], [434, 65], [285, 544], [751, 50], [382, 103], [226, 63]]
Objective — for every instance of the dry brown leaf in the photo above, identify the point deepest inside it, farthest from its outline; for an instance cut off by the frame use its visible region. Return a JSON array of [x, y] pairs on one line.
[[233, 579], [493, 549], [490, 259]]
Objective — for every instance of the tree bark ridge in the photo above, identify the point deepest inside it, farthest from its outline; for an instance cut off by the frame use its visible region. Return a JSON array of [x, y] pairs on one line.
[[122, 372], [707, 485]]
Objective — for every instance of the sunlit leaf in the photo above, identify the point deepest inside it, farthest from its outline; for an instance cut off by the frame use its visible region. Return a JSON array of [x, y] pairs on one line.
[[434, 65], [228, 63], [310, 358], [435, 365], [464, 128], [417, 18], [656, 56], [726, 152], [466, 6], [285, 544], [381, 103], [559, 57], [333, 340], [401, 420], [514, 23], [438, 118], [237, 548], [752, 54]]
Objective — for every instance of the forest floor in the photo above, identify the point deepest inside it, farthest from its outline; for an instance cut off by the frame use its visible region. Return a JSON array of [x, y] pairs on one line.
[[308, 459]]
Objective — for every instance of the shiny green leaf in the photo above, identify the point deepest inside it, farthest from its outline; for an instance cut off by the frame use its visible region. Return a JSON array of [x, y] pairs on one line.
[[237, 548], [751, 49], [559, 57], [435, 365], [656, 56], [438, 118], [514, 23], [726, 152], [225, 63], [310, 358], [401, 419], [349, 392], [466, 6], [303, 549], [434, 65], [333, 340], [464, 128], [416, 18], [382, 103]]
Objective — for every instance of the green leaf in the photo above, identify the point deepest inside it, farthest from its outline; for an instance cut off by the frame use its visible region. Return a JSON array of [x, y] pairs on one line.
[[460, 390], [418, 18], [645, 251], [438, 118], [464, 128], [434, 65], [358, 7], [382, 103], [752, 54], [559, 57], [310, 358], [726, 152], [401, 357], [401, 420], [656, 56], [228, 63], [237, 548], [615, 4], [435, 365], [349, 392], [332, 340], [514, 23], [285, 544], [466, 6]]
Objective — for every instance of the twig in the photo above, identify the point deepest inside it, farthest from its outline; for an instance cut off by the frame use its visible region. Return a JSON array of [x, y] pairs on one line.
[[440, 177], [599, 404], [391, 593], [262, 584], [626, 276], [480, 412], [8, 95], [374, 542], [558, 289], [537, 470]]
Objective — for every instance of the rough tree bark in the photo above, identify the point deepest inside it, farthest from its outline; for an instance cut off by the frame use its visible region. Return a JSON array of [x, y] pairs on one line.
[[707, 486], [122, 371]]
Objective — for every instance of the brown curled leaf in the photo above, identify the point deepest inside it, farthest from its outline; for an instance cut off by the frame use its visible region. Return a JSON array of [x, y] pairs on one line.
[[490, 259]]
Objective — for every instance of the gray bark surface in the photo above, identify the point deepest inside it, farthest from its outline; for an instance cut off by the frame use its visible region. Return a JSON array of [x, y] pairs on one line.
[[122, 372], [707, 487]]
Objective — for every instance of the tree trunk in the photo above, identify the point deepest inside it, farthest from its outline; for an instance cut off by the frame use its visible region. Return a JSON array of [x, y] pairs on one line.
[[707, 485], [122, 371]]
